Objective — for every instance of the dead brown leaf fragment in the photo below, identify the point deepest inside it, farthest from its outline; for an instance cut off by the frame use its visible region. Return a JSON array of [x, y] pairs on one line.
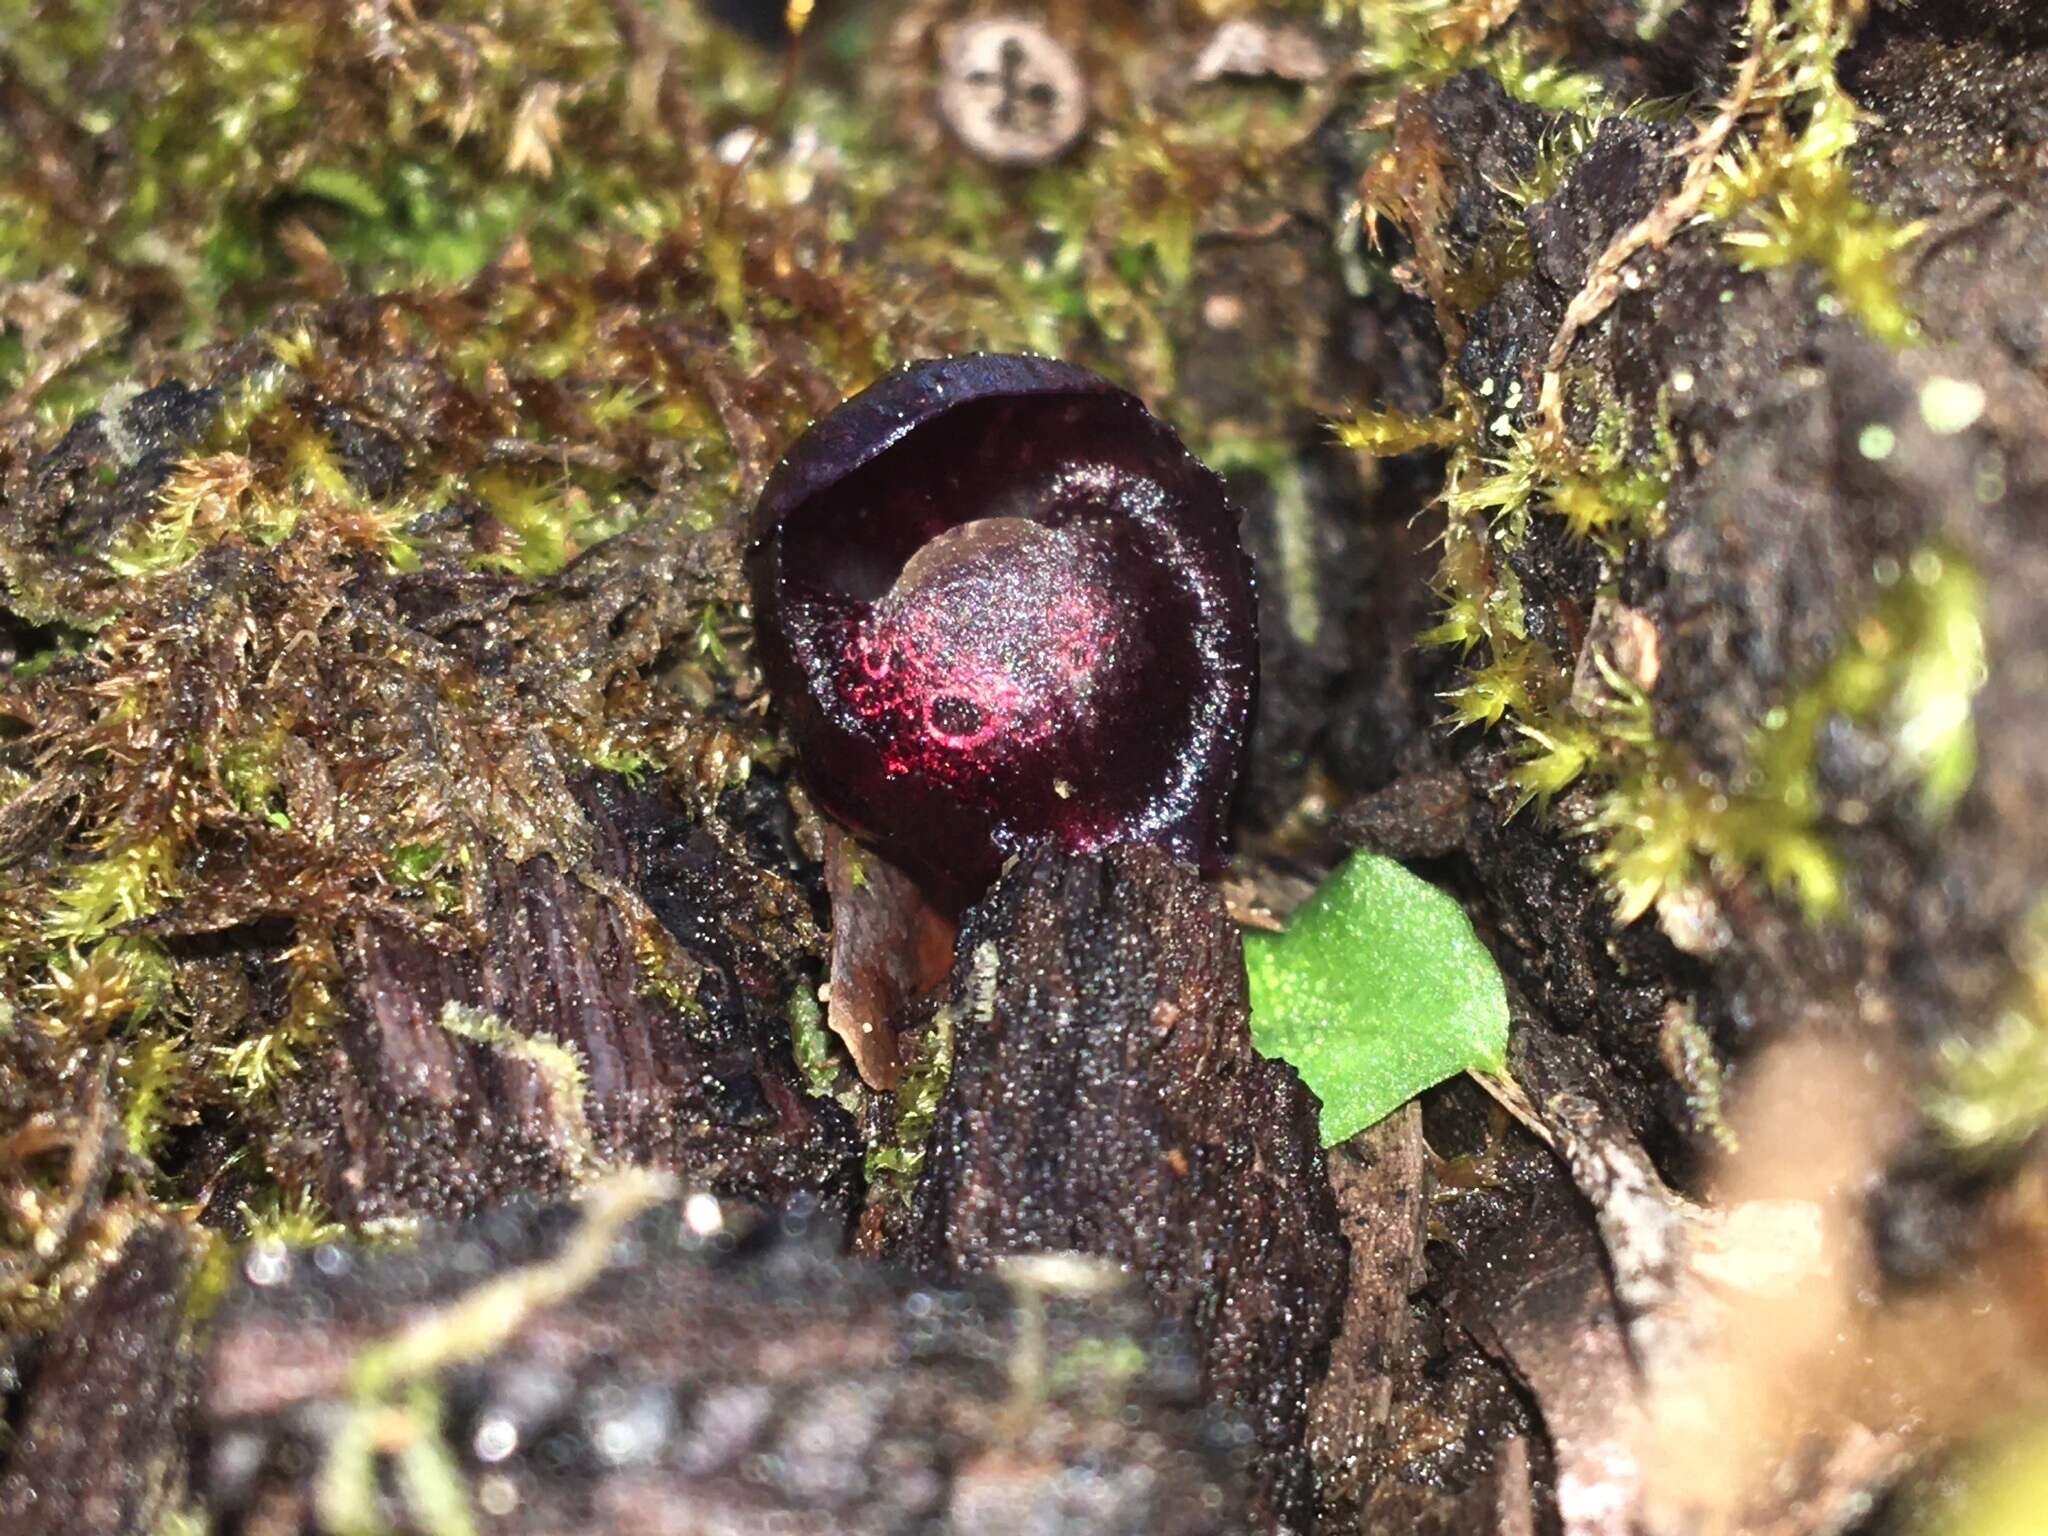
[[890, 946]]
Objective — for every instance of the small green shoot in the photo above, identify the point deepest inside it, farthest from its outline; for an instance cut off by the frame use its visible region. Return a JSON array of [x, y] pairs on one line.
[[1378, 989], [895, 1161]]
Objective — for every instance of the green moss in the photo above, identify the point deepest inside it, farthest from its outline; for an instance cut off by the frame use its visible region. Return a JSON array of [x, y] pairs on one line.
[[296, 151], [48, 41], [1666, 826], [124, 987], [1566, 740], [1557, 153], [249, 1070], [1385, 434], [239, 88], [123, 885], [895, 1161], [1409, 44], [546, 523], [1784, 198], [291, 1219], [1597, 489], [628, 763], [1499, 688], [823, 1068], [408, 1429], [201, 504], [252, 1068], [1543, 82], [249, 771], [39, 662], [1992, 1094], [1907, 670], [154, 1071], [1910, 668], [256, 150], [416, 863], [88, 988], [393, 1408], [259, 393], [1602, 491]]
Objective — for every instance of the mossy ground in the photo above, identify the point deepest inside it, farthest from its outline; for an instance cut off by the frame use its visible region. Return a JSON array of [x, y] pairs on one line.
[[382, 391], [432, 304]]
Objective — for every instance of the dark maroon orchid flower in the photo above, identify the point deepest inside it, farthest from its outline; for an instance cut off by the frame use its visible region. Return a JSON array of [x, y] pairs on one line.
[[997, 602]]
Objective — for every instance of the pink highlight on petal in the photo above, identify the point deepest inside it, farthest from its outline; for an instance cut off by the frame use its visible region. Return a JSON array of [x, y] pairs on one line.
[[983, 651]]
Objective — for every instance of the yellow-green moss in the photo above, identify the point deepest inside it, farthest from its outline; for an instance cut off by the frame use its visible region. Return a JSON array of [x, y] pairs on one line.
[[250, 1069], [1907, 670], [126, 883], [289, 1219], [1992, 1095], [153, 1071], [1783, 196], [1406, 45], [184, 1522], [1383, 434], [895, 1161], [249, 771], [823, 1073], [547, 520], [559, 1067], [1996, 1486], [1601, 490], [393, 1407], [415, 863]]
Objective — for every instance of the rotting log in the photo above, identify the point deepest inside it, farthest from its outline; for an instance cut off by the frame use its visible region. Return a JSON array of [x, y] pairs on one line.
[[691, 1366], [1106, 1100]]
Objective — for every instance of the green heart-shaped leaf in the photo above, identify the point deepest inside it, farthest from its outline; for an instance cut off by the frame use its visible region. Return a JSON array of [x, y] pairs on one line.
[[1378, 989]]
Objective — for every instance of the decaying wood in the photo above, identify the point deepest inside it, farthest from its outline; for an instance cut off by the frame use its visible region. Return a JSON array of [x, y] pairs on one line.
[[100, 1446], [1380, 1181], [691, 1367], [1106, 1099], [1553, 1319], [537, 1058]]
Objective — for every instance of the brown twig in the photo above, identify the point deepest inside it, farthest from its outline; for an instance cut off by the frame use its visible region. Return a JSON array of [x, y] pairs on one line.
[[1655, 229], [796, 17]]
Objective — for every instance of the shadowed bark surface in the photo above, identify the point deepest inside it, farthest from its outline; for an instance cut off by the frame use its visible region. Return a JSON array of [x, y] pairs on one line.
[[1106, 1099], [676, 1375], [438, 1115], [101, 1443]]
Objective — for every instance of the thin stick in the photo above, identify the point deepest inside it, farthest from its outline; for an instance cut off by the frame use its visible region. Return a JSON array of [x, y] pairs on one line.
[[796, 16], [1654, 229]]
